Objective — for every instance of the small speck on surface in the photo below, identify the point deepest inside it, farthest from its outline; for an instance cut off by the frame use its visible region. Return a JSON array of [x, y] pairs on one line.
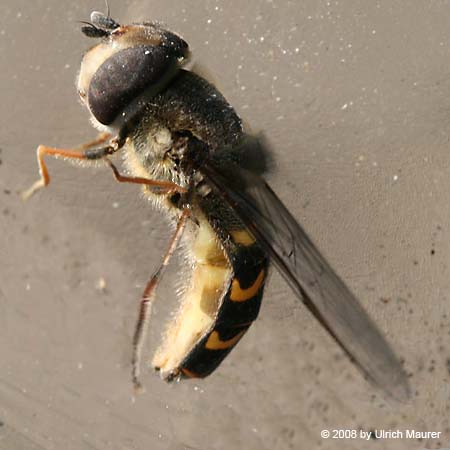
[[101, 284]]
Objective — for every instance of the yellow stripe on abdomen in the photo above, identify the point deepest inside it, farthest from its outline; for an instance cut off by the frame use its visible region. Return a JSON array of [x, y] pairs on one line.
[[215, 343], [241, 295], [242, 237]]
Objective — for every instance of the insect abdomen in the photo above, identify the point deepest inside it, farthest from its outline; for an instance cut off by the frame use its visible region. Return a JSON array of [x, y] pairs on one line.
[[239, 306], [224, 299]]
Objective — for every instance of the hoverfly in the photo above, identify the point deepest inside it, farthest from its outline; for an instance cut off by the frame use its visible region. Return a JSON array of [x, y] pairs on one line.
[[186, 146]]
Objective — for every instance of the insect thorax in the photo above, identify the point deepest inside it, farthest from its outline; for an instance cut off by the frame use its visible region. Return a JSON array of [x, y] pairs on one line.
[[179, 126]]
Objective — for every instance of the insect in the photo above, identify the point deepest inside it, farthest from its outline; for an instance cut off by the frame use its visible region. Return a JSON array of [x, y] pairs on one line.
[[186, 146]]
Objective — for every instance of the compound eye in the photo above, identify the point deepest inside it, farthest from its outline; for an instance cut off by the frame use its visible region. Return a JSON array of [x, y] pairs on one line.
[[126, 75]]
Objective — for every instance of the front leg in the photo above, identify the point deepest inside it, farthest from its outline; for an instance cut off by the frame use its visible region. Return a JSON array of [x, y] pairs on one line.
[[84, 152]]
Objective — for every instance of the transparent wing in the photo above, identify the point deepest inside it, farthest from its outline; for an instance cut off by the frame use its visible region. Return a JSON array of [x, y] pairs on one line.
[[309, 275]]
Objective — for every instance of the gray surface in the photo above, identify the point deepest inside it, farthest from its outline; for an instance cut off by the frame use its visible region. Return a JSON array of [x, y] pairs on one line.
[[354, 97]]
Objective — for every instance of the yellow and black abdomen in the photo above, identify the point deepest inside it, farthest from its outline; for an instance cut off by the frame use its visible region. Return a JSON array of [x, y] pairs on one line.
[[239, 307], [241, 298], [224, 296]]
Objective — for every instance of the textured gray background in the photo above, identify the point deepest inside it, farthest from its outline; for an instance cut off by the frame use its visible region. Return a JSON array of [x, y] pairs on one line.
[[354, 98]]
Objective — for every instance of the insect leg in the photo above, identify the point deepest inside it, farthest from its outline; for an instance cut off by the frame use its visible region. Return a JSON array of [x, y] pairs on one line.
[[83, 152], [160, 187], [147, 301]]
